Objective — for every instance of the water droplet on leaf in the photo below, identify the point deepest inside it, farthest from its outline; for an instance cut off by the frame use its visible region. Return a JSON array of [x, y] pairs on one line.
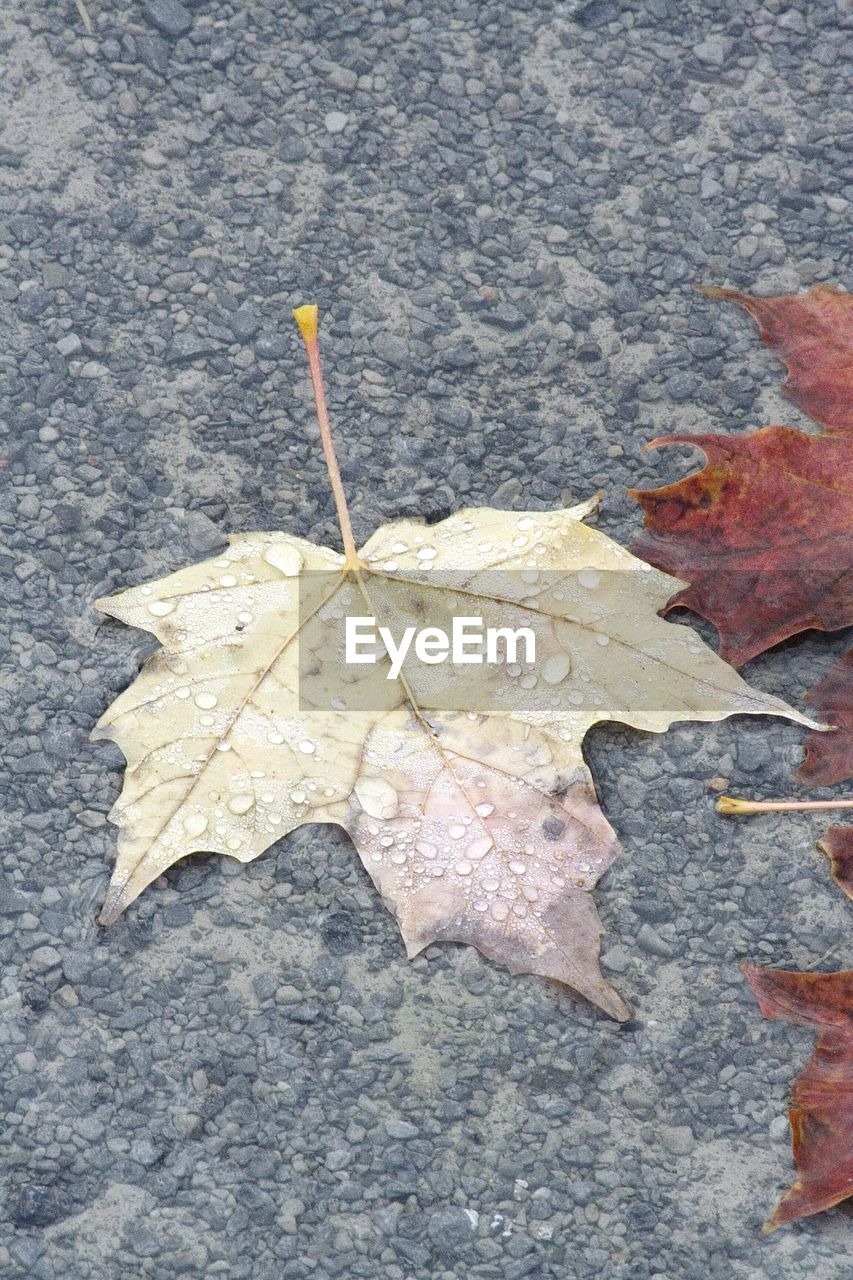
[[285, 558], [240, 804], [377, 797], [556, 668], [194, 823], [480, 847]]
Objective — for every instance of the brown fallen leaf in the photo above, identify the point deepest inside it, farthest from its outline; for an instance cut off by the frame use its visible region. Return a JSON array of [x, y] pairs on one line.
[[837, 844], [464, 789], [812, 334], [821, 1111], [829, 756], [763, 533]]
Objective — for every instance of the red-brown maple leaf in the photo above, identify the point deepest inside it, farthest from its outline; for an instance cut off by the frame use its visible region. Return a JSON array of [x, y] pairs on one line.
[[821, 1112], [837, 844], [829, 756], [764, 532]]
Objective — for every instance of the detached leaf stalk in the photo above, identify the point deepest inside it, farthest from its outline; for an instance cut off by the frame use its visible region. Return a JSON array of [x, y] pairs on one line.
[[742, 808]]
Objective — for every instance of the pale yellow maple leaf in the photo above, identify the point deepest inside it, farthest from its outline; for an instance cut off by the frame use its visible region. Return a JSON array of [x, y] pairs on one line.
[[465, 792]]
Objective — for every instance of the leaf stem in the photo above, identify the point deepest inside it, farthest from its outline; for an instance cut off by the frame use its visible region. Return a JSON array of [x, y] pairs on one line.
[[729, 804], [306, 319]]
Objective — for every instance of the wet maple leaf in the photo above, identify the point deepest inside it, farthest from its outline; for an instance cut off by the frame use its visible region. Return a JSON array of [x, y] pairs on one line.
[[821, 1112], [467, 799], [837, 844], [764, 532], [812, 334], [829, 756]]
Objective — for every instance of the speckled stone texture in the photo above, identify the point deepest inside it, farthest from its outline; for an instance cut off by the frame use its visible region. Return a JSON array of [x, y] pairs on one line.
[[501, 208]]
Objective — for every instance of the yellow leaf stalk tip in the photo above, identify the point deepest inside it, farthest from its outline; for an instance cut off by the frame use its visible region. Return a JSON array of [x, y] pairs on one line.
[[728, 804], [740, 808], [306, 319]]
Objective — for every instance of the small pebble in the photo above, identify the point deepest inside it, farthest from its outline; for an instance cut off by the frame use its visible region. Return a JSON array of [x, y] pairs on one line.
[[69, 345], [154, 159], [168, 16]]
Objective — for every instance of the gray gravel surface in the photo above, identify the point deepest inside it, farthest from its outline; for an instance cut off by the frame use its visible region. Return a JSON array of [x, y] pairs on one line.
[[501, 208]]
